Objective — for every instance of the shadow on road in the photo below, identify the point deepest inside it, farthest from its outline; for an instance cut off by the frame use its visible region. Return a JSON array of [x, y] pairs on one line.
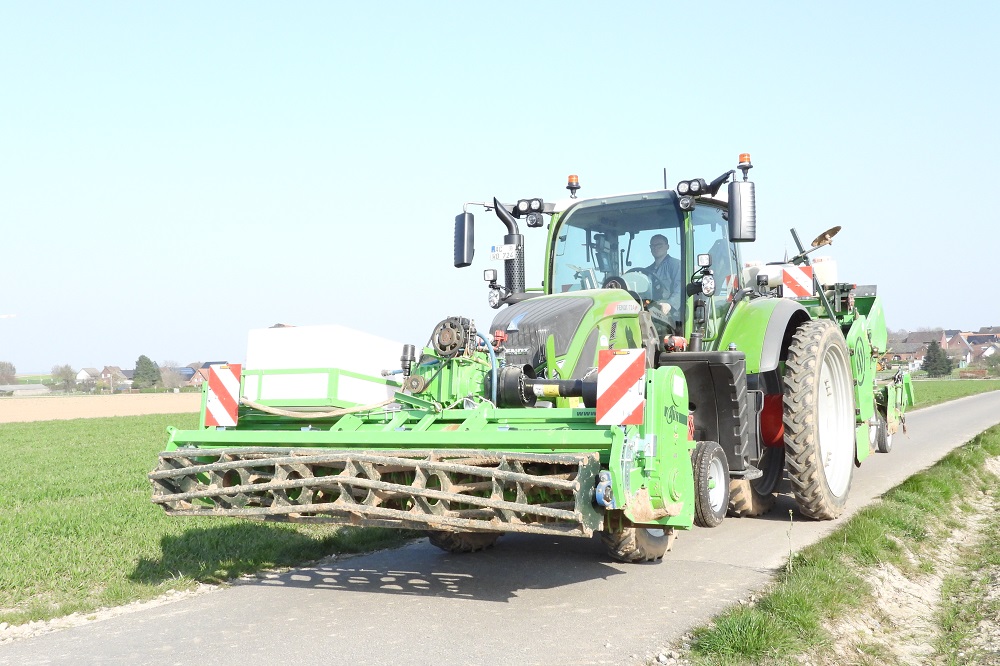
[[241, 550], [517, 562], [228, 550]]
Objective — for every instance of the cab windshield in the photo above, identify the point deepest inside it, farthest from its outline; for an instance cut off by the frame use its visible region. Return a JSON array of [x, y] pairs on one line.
[[637, 243], [633, 242]]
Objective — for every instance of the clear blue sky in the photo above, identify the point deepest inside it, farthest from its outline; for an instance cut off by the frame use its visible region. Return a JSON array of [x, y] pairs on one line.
[[175, 174]]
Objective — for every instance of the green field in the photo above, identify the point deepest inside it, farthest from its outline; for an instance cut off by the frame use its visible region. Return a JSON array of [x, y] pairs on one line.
[[34, 379], [79, 532], [933, 391]]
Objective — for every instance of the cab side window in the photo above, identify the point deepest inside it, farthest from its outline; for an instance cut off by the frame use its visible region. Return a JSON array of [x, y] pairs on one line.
[[711, 236]]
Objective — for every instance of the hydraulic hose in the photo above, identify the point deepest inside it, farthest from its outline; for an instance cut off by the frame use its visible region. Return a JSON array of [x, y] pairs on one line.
[[301, 414]]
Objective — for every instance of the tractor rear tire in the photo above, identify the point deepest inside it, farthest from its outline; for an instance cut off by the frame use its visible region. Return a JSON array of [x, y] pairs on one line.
[[883, 440], [711, 484], [748, 499], [463, 542], [819, 419], [638, 544]]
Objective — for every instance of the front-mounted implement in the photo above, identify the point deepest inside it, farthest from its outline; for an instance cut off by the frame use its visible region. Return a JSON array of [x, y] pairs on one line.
[[432, 448]]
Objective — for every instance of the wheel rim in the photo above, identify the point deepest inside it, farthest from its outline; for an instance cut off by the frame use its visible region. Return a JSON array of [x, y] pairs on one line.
[[655, 533], [717, 485], [835, 412]]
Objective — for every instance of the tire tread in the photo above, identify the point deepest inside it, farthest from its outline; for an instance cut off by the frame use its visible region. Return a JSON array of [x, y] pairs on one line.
[[805, 470], [630, 545]]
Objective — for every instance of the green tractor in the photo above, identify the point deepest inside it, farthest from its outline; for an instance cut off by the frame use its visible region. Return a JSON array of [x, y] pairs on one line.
[[635, 394]]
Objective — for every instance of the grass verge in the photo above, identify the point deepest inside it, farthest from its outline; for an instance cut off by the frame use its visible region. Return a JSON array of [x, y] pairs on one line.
[[79, 532], [969, 596], [822, 581]]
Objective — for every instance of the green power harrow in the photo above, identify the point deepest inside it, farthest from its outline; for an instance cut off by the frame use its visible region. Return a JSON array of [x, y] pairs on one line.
[[440, 454]]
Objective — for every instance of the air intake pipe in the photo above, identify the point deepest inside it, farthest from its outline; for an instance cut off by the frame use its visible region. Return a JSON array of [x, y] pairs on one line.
[[513, 268]]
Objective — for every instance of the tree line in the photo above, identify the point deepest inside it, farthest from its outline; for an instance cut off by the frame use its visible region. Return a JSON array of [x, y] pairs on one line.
[[63, 377]]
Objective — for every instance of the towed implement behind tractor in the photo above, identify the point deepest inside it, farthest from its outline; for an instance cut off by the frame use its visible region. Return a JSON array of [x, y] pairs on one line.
[[627, 400]]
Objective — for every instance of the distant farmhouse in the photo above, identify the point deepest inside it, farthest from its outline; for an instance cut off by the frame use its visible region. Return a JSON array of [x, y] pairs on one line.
[[117, 379], [87, 375], [202, 374], [964, 348]]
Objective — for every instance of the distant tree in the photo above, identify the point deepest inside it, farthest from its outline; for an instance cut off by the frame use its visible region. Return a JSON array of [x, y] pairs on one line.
[[169, 377], [64, 377], [147, 373], [993, 364], [936, 362], [8, 373], [932, 360], [898, 334]]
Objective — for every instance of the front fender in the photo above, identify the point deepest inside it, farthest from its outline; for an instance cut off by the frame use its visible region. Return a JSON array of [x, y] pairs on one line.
[[761, 329]]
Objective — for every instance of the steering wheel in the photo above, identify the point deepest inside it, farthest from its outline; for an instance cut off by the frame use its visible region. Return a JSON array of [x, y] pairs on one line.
[[660, 291], [618, 282]]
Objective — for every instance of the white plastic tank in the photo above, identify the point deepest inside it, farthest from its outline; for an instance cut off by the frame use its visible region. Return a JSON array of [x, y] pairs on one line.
[[825, 270], [774, 273], [750, 270]]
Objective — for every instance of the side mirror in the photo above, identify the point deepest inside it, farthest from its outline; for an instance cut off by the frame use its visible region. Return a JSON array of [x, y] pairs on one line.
[[465, 247], [742, 212]]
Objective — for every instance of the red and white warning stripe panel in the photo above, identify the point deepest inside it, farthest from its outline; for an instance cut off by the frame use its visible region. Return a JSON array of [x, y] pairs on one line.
[[223, 400], [797, 280], [732, 285], [621, 386]]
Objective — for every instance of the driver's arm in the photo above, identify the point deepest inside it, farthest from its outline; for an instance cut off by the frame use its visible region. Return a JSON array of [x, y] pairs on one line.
[[674, 282]]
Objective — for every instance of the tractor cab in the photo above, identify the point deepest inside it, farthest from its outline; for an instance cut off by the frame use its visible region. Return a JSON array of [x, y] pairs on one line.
[[673, 251], [648, 245]]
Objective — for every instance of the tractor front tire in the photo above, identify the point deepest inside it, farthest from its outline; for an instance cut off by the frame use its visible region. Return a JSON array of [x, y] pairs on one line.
[[819, 419], [711, 484], [748, 499], [638, 544], [463, 542]]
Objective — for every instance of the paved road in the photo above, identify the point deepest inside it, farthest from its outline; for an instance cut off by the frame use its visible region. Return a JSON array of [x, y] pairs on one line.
[[531, 600]]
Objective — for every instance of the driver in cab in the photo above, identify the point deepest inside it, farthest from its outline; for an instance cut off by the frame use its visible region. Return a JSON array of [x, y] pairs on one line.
[[664, 267]]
